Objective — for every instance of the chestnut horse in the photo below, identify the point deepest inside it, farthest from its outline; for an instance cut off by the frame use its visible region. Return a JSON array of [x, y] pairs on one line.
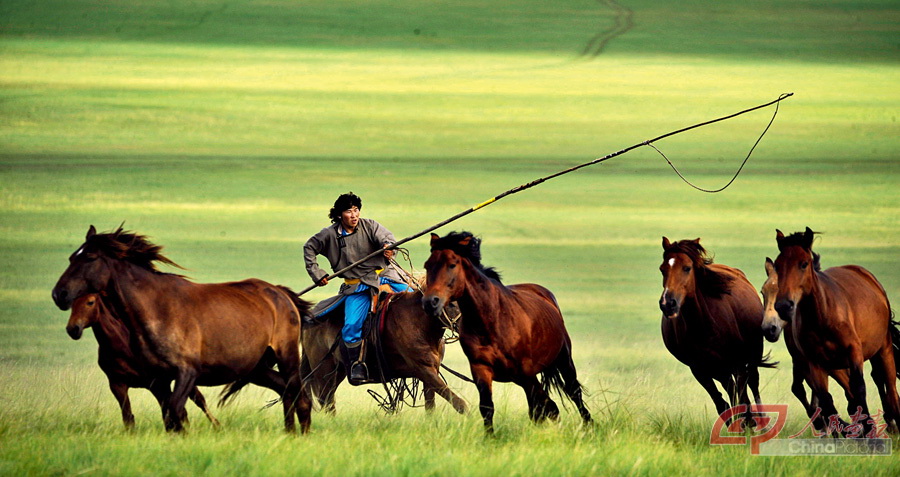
[[192, 333], [412, 346], [116, 359], [840, 317], [508, 333], [712, 323], [773, 326]]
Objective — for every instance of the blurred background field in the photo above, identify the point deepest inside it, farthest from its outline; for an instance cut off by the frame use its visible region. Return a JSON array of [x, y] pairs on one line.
[[224, 130]]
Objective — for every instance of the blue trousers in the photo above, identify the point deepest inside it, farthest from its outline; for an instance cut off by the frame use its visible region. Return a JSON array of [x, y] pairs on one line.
[[356, 308]]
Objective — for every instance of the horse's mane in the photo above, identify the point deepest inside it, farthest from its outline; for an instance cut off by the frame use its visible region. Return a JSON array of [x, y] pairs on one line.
[[472, 251], [799, 239], [710, 282], [130, 247], [803, 240]]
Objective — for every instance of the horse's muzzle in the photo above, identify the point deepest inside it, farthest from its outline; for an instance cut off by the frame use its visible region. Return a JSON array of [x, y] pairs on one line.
[[771, 332], [433, 305], [61, 298], [786, 309], [74, 331], [668, 306]]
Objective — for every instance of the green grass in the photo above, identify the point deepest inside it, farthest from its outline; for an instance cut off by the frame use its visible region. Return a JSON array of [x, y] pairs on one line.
[[225, 130]]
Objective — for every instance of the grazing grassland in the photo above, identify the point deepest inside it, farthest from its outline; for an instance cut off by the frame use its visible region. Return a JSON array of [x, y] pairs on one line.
[[224, 130]]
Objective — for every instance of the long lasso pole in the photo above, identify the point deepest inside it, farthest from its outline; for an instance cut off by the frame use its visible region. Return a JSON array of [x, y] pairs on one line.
[[540, 181]]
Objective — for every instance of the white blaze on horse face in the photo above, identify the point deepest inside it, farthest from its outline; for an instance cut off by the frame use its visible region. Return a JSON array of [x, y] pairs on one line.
[[80, 251], [671, 262]]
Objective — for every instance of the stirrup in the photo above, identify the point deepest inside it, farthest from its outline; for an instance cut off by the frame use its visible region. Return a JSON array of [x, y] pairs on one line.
[[359, 374]]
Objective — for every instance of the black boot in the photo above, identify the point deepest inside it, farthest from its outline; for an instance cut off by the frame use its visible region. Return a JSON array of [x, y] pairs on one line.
[[359, 373]]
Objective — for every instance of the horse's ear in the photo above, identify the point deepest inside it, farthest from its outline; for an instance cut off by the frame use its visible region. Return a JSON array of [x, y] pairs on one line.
[[770, 267], [808, 237], [91, 232], [778, 238], [465, 242], [434, 238], [696, 240], [666, 243]]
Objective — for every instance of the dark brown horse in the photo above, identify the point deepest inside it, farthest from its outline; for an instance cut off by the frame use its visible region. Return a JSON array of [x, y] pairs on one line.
[[508, 333], [116, 359], [840, 317], [192, 333], [711, 322], [412, 346], [773, 326]]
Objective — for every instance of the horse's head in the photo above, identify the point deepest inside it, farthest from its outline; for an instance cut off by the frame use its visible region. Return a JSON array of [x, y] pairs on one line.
[[772, 324], [86, 311], [445, 270], [679, 270], [91, 266], [795, 265], [88, 272]]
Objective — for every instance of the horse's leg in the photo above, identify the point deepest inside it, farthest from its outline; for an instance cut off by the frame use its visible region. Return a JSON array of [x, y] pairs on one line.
[[296, 398], [884, 372], [428, 394], [571, 386], [540, 406], [200, 401], [323, 380], [736, 390], [741, 382], [858, 386], [753, 384], [706, 381], [176, 415], [161, 391], [484, 378], [120, 391], [798, 388], [818, 381], [433, 383]]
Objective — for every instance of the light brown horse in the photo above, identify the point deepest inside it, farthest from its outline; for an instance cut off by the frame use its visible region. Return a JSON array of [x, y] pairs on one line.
[[192, 333], [840, 317], [116, 359], [508, 333], [711, 323], [412, 346], [773, 326]]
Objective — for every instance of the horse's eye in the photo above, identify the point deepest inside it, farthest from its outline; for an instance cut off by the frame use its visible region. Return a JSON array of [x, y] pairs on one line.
[[451, 266], [686, 269], [803, 265]]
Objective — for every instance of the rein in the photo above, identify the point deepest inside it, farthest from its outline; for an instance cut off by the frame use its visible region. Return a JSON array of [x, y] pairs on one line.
[[531, 184]]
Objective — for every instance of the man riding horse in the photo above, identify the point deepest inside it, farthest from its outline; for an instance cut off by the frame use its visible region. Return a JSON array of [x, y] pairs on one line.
[[350, 238]]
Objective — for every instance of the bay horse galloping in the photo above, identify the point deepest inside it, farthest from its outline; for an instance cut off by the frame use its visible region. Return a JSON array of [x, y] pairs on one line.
[[116, 359], [410, 342], [711, 323], [508, 333], [840, 317], [773, 326], [193, 333]]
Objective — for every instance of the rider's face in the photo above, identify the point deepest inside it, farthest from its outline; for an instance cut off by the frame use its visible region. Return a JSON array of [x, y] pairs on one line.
[[350, 218]]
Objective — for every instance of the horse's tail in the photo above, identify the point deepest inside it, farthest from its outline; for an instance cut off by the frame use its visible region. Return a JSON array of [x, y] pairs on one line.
[[231, 389], [560, 377], [552, 380], [894, 328], [766, 361], [303, 306]]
